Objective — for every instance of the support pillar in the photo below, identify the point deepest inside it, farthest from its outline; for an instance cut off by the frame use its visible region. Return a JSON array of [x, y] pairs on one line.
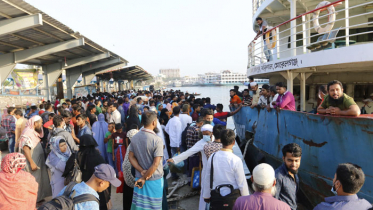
[[293, 30], [312, 93], [131, 84], [289, 76], [60, 87], [347, 23], [72, 76], [107, 86], [5, 72], [350, 90], [303, 77]]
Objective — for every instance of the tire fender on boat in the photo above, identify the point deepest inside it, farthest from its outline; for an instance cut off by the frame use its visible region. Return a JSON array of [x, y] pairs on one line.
[[274, 39], [331, 21]]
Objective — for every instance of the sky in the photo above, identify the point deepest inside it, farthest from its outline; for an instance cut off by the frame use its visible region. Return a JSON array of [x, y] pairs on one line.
[[196, 36]]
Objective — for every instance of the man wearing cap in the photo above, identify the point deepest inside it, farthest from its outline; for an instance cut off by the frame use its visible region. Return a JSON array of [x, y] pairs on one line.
[[145, 155], [198, 147], [101, 179], [264, 185], [256, 94]]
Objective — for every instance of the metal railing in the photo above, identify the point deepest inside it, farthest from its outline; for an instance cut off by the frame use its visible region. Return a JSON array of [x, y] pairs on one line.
[[285, 43]]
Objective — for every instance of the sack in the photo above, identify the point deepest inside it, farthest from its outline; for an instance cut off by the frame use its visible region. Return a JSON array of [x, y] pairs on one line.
[[75, 175], [217, 201], [177, 168], [67, 200]]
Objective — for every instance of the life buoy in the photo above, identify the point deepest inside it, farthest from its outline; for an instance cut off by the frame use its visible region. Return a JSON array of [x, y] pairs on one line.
[[329, 26], [274, 39]]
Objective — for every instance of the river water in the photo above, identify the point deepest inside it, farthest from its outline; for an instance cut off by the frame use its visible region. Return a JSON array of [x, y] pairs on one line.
[[219, 94]]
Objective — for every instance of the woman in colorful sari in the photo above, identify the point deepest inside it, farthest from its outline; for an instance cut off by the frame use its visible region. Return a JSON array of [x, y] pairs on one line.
[[99, 130], [18, 188], [56, 162]]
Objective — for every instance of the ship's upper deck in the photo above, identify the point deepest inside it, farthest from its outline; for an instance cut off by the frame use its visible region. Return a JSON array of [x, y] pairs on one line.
[[304, 34]]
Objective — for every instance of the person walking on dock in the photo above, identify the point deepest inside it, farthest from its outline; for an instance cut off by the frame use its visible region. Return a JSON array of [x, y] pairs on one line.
[[287, 180], [264, 185], [347, 182]]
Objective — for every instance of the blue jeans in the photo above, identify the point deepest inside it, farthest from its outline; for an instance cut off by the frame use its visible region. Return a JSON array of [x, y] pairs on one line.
[[267, 53], [173, 152], [110, 159], [11, 144]]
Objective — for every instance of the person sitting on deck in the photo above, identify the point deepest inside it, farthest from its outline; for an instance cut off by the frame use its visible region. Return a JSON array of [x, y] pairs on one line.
[[347, 182], [235, 99], [224, 115], [285, 100], [337, 102]]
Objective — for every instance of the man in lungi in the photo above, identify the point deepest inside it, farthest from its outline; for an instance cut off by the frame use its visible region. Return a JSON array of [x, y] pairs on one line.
[[145, 155]]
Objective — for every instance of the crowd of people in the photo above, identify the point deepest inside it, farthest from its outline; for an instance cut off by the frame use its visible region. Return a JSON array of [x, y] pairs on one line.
[[130, 139], [333, 100]]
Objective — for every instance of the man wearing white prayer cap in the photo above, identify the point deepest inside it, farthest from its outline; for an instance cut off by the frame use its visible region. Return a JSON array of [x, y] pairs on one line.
[[264, 185], [198, 147]]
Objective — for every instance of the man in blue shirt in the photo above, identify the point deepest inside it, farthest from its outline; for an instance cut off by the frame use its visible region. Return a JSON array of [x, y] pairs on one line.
[[347, 182], [101, 179], [82, 124], [208, 104], [287, 181]]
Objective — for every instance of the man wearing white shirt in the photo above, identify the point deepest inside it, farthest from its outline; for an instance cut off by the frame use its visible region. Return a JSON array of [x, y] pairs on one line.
[[228, 169], [198, 147], [173, 128], [185, 118], [115, 116]]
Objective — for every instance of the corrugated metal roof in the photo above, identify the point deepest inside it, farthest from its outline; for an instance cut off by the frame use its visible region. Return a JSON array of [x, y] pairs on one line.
[[126, 73], [52, 31]]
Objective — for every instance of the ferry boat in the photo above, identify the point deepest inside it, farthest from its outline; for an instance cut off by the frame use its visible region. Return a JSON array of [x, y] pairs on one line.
[[177, 83], [232, 78], [312, 42]]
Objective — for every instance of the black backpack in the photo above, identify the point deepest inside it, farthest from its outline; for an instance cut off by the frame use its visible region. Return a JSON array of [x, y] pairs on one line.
[[184, 136], [67, 200]]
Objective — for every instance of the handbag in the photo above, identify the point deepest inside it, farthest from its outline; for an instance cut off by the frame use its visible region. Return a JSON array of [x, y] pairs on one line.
[[217, 201], [75, 175]]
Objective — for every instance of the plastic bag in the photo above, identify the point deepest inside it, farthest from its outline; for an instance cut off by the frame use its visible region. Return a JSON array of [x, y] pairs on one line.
[[177, 168]]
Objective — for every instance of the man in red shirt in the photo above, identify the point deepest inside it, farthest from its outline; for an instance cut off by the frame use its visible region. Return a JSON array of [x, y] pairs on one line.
[[224, 115], [196, 110]]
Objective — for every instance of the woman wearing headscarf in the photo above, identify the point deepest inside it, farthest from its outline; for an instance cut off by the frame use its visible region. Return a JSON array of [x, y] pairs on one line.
[[56, 162], [129, 179], [18, 188], [133, 118], [99, 130], [165, 115], [88, 158], [30, 146]]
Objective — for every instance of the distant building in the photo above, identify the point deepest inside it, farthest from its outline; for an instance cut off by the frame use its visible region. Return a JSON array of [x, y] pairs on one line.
[[170, 73]]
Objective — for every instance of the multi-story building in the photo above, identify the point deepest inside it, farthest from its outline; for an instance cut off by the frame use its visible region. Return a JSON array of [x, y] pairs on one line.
[[170, 73], [233, 78]]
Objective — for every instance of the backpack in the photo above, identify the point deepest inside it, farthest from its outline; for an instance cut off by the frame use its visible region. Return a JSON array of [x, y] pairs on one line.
[[184, 136], [67, 200]]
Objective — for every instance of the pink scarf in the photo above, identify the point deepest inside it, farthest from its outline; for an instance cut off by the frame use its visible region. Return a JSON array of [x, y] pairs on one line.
[[30, 134]]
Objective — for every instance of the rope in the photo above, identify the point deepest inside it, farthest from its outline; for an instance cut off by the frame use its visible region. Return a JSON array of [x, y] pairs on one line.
[[244, 153]]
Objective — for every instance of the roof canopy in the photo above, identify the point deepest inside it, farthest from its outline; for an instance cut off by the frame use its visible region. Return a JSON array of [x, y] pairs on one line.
[[126, 73]]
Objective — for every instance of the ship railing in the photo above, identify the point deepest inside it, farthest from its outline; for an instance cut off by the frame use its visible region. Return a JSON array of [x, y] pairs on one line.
[[280, 48]]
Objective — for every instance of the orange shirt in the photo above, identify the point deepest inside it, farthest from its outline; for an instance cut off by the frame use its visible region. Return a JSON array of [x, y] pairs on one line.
[[236, 99]]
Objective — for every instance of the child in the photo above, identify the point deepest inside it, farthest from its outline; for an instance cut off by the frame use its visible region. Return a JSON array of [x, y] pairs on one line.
[[109, 143], [118, 137]]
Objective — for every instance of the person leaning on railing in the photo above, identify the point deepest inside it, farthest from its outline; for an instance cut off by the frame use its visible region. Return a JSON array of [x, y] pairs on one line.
[[337, 102]]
